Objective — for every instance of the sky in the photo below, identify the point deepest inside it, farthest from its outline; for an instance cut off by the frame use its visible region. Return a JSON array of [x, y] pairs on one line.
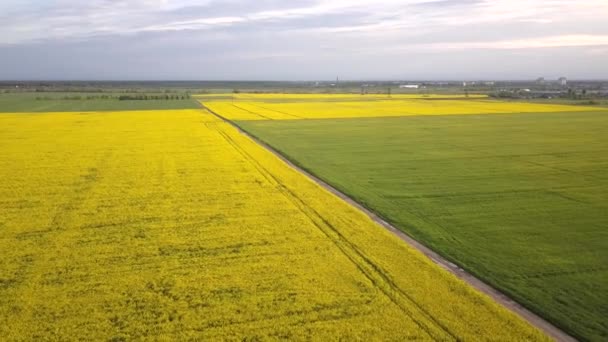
[[303, 39]]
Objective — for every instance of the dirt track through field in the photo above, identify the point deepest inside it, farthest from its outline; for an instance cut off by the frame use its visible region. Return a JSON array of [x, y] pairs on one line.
[[478, 284]]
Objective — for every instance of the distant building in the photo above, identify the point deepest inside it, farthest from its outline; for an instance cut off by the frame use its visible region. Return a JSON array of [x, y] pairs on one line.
[[409, 86], [563, 81], [540, 81]]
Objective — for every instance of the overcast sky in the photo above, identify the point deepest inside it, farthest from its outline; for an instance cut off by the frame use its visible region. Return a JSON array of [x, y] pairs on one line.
[[303, 39]]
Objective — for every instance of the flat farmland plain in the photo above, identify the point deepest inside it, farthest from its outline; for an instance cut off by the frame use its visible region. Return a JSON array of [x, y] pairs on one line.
[[78, 102], [520, 200], [299, 107], [173, 225], [315, 97]]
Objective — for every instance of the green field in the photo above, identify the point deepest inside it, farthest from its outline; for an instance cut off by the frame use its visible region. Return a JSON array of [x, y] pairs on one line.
[[520, 200], [57, 102]]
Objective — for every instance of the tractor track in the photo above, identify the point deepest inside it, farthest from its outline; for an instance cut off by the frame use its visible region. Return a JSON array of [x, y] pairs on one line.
[[370, 270]]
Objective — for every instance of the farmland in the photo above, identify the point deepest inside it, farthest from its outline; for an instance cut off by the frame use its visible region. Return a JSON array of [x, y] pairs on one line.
[[173, 225], [299, 107], [284, 98], [517, 199], [74, 102]]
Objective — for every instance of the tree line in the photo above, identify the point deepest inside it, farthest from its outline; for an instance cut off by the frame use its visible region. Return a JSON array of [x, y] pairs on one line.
[[126, 97]]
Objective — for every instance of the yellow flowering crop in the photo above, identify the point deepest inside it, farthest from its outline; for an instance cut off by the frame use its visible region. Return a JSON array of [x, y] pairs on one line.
[[290, 110], [172, 225], [253, 97]]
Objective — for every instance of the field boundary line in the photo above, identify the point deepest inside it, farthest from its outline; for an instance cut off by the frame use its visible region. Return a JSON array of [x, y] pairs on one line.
[[497, 295]]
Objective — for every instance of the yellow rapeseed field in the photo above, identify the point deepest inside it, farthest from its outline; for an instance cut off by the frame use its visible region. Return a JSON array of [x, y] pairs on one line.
[[287, 97], [316, 109], [172, 225]]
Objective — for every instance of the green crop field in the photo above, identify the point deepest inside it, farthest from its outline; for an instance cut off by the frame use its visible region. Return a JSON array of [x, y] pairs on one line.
[[75, 102], [520, 200]]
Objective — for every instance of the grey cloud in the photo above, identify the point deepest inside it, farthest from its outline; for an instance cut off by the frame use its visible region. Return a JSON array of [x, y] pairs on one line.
[[304, 39], [236, 8]]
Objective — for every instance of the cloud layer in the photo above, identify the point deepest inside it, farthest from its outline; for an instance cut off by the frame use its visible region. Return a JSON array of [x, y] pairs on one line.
[[303, 39]]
